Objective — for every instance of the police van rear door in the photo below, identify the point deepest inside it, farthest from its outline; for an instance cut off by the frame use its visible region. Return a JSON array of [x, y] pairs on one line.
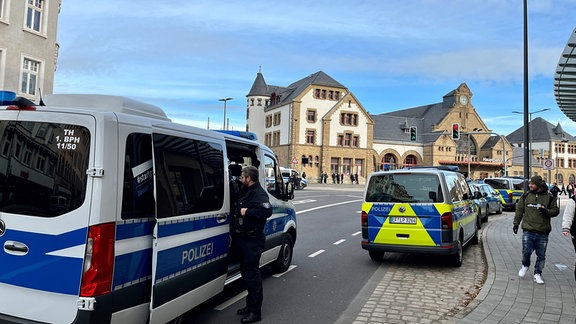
[[45, 198], [191, 235]]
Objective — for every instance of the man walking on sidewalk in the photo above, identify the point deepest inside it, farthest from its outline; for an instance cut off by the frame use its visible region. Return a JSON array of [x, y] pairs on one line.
[[534, 209]]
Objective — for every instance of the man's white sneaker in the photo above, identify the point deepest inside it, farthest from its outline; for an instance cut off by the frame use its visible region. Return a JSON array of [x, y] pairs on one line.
[[522, 271], [538, 279]]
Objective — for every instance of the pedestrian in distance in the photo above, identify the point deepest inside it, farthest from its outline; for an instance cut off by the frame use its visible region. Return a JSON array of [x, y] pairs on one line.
[[570, 189], [252, 210], [563, 192], [342, 178], [534, 210], [333, 178], [356, 177], [554, 190], [568, 224]]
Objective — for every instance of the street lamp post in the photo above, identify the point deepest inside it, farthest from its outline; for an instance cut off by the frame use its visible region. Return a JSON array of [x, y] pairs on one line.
[[529, 133], [224, 99]]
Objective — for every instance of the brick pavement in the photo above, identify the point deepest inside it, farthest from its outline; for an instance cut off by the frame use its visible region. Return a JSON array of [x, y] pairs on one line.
[[505, 298], [486, 289]]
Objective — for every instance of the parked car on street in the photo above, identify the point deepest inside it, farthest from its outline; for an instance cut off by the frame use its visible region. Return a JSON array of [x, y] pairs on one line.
[[510, 190], [425, 210], [493, 199], [480, 202]]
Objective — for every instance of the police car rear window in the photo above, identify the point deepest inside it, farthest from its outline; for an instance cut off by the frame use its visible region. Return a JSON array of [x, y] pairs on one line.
[[405, 187], [42, 167]]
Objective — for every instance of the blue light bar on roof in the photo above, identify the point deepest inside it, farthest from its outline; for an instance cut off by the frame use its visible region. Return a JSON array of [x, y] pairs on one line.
[[6, 97], [247, 135]]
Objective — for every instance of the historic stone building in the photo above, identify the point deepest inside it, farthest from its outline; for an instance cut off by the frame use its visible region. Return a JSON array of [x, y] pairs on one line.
[[319, 121], [316, 120], [548, 142], [28, 46]]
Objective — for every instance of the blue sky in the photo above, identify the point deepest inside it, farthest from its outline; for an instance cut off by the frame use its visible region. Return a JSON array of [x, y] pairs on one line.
[[395, 54]]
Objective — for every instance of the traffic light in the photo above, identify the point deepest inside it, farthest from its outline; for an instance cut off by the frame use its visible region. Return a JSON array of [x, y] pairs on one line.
[[413, 133], [456, 131], [502, 170]]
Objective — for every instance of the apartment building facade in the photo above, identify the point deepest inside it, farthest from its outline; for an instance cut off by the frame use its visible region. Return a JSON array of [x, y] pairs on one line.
[[28, 46]]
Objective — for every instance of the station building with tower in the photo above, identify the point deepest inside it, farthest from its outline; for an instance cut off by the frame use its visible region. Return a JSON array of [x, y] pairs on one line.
[[321, 122]]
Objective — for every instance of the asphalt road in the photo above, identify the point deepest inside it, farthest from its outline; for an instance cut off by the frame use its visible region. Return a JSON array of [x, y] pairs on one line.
[[330, 268]]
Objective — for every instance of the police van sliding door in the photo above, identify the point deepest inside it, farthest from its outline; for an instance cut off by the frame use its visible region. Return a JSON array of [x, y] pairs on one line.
[[191, 235]]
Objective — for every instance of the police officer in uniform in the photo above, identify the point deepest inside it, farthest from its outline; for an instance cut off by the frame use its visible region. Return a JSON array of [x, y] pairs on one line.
[[252, 210]]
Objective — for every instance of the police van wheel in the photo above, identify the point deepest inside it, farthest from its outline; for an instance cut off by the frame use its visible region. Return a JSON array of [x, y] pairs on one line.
[[456, 258], [285, 257], [376, 255]]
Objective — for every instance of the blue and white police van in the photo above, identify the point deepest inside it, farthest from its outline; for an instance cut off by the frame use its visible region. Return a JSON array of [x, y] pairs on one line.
[[111, 213]]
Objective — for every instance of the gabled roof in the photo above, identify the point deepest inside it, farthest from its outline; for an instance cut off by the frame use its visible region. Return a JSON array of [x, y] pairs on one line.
[[542, 131], [490, 143], [287, 94], [387, 126]]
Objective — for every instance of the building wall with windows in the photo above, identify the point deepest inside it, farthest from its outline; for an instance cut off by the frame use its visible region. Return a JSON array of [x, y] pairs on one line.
[[320, 120], [315, 118], [28, 46]]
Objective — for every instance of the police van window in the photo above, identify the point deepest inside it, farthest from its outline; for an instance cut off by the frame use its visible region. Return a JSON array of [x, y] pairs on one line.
[[42, 167], [412, 188], [138, 188], [456, 187], [274, 182], [189, 175], [496, 183]]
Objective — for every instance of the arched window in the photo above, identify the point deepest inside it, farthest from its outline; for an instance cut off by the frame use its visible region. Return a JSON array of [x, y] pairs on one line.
[[389, 162], [410, 160]]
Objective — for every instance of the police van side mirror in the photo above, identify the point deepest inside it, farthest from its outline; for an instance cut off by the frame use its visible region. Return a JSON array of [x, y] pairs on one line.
[[289, 191]]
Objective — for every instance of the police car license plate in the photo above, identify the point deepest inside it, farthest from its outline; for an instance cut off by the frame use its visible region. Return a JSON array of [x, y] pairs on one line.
[[402, 220]]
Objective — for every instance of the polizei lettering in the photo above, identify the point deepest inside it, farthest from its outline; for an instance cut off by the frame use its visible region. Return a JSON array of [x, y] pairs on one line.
[[198, 252]]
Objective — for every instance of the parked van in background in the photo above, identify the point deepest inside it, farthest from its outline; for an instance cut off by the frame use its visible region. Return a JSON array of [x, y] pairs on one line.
[[420, 210], [287, 173], [510, 189], [111, 213]]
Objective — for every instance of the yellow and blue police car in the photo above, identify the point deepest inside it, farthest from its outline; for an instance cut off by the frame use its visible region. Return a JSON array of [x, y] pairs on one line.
[[418, 210]]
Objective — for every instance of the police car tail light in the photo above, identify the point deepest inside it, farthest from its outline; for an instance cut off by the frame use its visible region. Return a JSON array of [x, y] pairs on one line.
[[447, 221], [510, 197], [364, 218], [98, 261]]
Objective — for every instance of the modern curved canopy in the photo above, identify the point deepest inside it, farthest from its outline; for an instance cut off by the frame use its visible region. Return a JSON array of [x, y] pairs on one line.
[[565, 79]]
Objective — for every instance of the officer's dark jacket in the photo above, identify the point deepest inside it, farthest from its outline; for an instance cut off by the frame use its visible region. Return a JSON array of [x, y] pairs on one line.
[[532, 219], [259, 209]]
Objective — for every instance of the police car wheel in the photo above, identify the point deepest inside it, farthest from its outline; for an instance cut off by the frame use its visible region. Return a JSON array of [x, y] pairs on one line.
[[376, 255], [285, 256], [499, 209], [456, 258]]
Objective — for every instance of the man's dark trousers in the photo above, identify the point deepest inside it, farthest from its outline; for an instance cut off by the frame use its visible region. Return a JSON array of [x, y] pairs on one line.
[[251, 246]]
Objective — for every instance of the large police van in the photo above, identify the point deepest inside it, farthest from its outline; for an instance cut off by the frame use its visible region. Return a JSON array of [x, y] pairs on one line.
[[422, 210], [111, 213]]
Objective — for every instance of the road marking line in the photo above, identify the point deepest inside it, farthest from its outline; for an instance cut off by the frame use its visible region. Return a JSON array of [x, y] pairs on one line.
[[326, 206], [316, 253], [231, 301], [357, 233], [339, 241], [278, 275], [304, 201]]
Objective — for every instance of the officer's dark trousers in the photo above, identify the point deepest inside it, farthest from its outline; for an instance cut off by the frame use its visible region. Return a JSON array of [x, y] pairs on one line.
[[250, 247]]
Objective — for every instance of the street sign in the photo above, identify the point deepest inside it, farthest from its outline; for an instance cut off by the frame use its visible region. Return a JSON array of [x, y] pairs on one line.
[[548, 164], [294, 160]]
